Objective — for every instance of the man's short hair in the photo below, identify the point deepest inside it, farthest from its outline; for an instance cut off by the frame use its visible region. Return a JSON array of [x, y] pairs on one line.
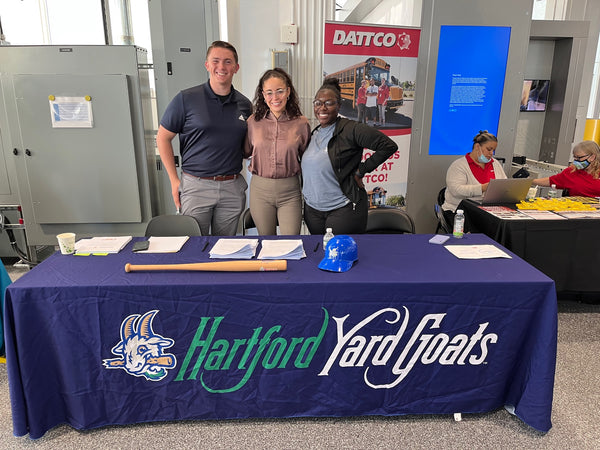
[[223, 44]]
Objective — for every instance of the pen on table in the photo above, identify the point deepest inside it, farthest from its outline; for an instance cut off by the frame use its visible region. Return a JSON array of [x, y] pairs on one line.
[[205, 245], [316, 247]]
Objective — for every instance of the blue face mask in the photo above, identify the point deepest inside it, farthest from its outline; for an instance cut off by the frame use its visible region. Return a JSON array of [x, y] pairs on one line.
[[581, 164], [483, 159]]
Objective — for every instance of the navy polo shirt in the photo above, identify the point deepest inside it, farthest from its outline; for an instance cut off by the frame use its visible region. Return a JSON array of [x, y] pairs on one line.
[[211, 132]]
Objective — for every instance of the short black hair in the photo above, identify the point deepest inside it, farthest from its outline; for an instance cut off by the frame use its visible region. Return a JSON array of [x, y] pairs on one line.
[[333, 84]]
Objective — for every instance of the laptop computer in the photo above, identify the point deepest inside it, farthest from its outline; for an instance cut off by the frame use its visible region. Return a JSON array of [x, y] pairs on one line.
[[506, 190]]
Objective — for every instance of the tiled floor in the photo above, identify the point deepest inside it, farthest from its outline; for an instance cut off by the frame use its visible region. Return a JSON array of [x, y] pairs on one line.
[[14, 268]]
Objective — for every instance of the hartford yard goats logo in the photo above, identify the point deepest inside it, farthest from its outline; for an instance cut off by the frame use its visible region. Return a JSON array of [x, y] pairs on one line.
[[141, 350]]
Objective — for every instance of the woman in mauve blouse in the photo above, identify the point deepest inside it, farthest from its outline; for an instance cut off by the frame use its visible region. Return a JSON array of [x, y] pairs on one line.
[[277, 136]]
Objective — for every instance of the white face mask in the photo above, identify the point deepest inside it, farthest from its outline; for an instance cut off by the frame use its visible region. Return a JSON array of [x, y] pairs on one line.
[[482, 158]]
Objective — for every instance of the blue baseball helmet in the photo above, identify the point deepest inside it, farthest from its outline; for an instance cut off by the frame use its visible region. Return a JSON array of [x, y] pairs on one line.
[[341, 253]]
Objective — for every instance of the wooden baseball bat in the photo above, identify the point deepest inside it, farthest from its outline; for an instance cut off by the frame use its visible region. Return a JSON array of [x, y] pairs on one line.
[[163, 361], [221, 266]]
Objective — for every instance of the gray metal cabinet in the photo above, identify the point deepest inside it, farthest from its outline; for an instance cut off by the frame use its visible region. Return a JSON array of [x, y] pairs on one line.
[[91, 179], [79, 175]]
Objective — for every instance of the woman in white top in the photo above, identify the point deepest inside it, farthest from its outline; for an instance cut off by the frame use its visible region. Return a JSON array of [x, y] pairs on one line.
[[470, 175]]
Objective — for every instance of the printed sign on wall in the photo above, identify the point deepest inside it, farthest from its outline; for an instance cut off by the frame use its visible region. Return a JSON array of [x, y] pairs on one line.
[[469, 83], [377, 68]]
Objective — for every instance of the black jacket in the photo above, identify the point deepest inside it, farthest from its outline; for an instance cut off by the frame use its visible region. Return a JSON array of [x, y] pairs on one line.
[[345, 150]]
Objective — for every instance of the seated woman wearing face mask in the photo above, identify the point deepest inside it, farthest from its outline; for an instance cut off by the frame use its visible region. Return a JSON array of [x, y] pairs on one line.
[[470, 175], [582, 177]]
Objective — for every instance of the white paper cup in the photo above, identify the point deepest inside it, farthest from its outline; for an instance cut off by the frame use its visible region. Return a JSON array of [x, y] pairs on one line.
[[66, 242]]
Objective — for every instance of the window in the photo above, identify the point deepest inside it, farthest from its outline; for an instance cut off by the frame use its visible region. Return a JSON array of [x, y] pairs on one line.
[[52, 22]]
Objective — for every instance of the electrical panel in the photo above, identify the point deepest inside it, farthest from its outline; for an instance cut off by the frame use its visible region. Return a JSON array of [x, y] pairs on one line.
[[76, 128]]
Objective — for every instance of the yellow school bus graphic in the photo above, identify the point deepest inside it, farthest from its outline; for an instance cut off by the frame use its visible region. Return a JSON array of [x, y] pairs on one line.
[[373, 68]]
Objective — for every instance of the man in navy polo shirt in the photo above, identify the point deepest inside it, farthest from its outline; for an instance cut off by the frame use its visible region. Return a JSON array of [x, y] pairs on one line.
[[210, 120]]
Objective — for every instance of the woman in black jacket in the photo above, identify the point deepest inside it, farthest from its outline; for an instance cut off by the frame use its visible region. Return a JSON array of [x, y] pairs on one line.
[[332, 171]]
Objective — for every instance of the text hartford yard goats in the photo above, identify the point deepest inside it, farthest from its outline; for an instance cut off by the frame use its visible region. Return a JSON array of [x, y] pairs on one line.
[[395, 352]]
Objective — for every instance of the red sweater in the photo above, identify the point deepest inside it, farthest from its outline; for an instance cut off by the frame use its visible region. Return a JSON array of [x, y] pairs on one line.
[[579, 183]]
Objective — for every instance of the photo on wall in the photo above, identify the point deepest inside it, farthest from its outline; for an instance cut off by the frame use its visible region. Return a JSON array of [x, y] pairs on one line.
[[535, 95]]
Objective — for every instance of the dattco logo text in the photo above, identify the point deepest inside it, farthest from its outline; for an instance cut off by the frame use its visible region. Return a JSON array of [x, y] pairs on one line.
[[368, 38]]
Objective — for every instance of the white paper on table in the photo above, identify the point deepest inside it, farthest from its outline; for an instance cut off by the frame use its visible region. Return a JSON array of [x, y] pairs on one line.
[[234, 248], [580, 214], [515, 215], [504, 213], [282, 249], [165, 244], [542, 215], [477, 251], [99, 244]]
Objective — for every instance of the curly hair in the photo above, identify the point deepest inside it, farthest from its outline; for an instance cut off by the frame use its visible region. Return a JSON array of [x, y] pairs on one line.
[[292, 106], [590, 148], [482, 137]]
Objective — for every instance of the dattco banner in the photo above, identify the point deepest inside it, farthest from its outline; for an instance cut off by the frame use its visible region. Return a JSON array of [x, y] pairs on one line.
[[377, 68]]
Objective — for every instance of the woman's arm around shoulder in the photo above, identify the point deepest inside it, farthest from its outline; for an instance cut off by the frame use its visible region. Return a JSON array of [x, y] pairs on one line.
[[304, 131], [383, 146], [248, 142]]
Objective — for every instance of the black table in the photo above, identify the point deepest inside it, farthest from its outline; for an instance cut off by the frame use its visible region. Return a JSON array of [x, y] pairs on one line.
[[568, 251]]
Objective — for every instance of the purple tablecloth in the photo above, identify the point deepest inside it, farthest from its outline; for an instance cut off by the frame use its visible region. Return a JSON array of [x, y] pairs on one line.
[[410, 329]]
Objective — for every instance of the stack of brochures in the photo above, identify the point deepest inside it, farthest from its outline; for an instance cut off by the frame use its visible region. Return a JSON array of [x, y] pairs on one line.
[[113, 244], [165, 244], [282, 249], [234, 248]]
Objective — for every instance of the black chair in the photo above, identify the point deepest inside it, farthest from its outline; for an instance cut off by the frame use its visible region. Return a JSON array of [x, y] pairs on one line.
[[443, 226], [521, 173], [389, 221], [173, 225], [247, 221], [441, 198]]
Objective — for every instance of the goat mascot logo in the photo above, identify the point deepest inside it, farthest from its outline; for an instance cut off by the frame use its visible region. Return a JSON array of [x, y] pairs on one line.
[[141, 350]]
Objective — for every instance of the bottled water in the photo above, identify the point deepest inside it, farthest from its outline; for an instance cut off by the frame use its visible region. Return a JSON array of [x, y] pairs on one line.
[[553, 193], [459, 224], [326, 237]]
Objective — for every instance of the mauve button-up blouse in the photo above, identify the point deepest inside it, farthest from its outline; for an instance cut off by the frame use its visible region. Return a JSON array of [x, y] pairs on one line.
[[276, 145]]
